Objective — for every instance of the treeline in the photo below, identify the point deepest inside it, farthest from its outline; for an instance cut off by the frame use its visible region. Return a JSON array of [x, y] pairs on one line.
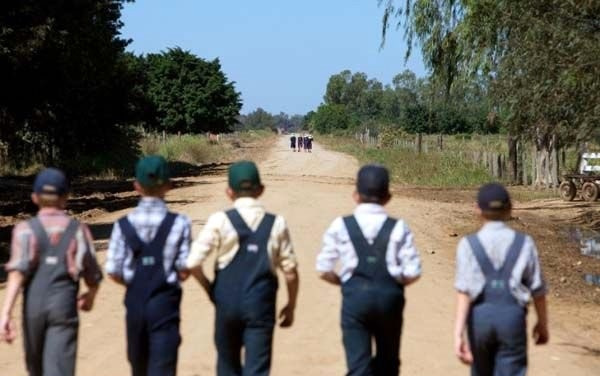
[[411, 104], [539, 59], [72, 96], [261, 119]]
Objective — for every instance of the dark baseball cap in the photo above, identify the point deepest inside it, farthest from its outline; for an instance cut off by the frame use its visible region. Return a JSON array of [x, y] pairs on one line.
[[152, 171], [493, 197], [51, 181], [244, 176], [373, 181]]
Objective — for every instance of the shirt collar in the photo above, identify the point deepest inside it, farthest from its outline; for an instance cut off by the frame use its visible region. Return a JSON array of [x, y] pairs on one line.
[[494, 226], [246, 202], [369, 209], [51, 211], [146, 202]]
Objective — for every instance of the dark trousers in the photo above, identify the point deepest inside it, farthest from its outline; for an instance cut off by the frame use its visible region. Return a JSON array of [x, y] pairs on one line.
[[367, 316], [152, 347], [234, 330], [50, 344], [498, 340]]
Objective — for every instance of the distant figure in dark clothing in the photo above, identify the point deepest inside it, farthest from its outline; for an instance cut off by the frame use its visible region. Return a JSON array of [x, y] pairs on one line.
[[309, 141], [300, 143], [293, 142]]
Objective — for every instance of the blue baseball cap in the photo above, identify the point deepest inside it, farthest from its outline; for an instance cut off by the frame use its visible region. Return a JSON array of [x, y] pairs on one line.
[[51, 181], [493, 197], [373, 181]]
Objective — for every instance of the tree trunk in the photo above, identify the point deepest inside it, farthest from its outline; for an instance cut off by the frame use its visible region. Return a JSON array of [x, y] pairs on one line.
[[419, 142], [513, 161]]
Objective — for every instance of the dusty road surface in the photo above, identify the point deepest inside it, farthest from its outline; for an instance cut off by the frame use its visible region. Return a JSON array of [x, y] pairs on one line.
[[310, 190]]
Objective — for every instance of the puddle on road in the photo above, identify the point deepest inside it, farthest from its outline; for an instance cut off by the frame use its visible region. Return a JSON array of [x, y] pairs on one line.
[[589, 241]]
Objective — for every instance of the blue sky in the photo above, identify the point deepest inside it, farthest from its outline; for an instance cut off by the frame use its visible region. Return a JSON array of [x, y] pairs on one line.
[[280, 53]]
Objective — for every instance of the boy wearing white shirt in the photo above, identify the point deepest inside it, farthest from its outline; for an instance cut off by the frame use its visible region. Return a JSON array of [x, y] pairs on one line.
[[377, 259]]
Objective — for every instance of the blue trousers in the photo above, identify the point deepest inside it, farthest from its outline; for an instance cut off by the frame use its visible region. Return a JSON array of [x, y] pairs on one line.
[[152, 346], [234, 330], [367, 316], [498, 340]]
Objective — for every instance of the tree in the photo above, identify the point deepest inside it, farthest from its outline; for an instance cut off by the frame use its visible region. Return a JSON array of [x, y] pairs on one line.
[[190, 94], [259, 119], [540, 58], [331, 117], [66, 87]]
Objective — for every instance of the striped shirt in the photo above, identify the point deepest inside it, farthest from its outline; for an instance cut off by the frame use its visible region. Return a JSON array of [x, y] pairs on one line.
[[338, 253], [146, 219], [81, 255]]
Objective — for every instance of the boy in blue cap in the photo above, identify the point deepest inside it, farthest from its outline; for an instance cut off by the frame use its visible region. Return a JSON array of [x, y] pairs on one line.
[[377, 259], [497, 273], [251, 245], [49, 254], [147, 253]]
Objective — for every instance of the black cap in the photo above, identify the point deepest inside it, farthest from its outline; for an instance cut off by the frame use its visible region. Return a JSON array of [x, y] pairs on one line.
[[493, 197], [51, 181], [373, 181]]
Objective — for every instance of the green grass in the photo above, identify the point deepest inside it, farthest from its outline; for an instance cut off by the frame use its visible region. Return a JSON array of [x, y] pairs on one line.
[[433, 169]]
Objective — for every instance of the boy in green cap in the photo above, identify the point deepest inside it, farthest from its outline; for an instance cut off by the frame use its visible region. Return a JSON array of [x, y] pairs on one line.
[[147, 254], [250, 245]]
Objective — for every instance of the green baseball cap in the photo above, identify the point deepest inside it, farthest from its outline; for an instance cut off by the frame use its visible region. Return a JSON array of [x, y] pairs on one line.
[[243, 176], [152, 171]]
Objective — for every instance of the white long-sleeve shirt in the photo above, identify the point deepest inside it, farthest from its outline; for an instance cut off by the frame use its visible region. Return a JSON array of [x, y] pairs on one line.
[[338, 254]]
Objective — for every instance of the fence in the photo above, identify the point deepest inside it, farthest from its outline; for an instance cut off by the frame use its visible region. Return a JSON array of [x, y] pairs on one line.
[[486, 151]]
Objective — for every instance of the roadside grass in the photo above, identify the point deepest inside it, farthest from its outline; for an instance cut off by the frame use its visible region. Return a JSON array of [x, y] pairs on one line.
[[433, 169]]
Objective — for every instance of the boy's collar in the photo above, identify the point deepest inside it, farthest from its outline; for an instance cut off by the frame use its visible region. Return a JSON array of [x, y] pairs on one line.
[[494, 225], [369, 208], [246, 202], [50, 211], [150, 200]]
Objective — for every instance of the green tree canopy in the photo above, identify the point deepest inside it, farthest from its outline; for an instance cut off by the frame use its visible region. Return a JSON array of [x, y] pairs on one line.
[[190, 94]]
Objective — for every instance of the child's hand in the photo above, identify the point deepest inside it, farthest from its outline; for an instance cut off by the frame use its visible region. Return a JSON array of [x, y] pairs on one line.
[[462, 351], [183, 275], [8, 330], [287, 316], [540, 334], [85, 301]]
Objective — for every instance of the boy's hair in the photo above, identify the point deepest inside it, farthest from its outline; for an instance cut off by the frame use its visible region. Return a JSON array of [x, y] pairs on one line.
[[49, 201], [252, 192], [496, 215], [153, 190], [373, 184], [371, 199]]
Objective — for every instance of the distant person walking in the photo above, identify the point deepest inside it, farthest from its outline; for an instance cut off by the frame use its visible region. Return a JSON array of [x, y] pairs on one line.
[[293, 142], [300, 143], [309, 142]]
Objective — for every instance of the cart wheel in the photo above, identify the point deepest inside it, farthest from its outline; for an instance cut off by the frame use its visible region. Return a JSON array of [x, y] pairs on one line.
[[590, 191], [567, 190]]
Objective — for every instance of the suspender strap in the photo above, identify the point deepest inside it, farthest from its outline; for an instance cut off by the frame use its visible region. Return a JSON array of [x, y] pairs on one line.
[[482, 258], [131, 237], [266, 225], [513, 255], [484, 261], [356, 235], [136, 244], [42, 236], [239, 224], [358, 238]]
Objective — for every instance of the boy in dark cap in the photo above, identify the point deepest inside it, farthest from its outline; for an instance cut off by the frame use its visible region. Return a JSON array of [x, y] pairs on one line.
[[250, 245], [497, 273], [49, 254], [147, 253], [377, 259]]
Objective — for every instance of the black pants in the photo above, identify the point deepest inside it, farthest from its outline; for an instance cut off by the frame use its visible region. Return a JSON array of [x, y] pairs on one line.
[[152, 345], [234, 330], [498, 339], [367, 316]]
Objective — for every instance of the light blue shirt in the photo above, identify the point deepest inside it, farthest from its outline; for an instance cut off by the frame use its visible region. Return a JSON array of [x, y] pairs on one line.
[[496, 237]]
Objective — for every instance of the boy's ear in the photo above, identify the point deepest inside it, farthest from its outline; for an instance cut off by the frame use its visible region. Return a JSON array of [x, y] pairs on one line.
[[35, 199], [261, 190], [138, 188], [356, 197], [230, 193]]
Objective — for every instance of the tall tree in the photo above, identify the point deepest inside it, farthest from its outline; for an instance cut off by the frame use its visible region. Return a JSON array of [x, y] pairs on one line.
[[191, 94]]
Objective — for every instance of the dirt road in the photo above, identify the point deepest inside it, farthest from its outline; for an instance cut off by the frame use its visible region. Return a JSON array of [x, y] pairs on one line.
[[310, 190]]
